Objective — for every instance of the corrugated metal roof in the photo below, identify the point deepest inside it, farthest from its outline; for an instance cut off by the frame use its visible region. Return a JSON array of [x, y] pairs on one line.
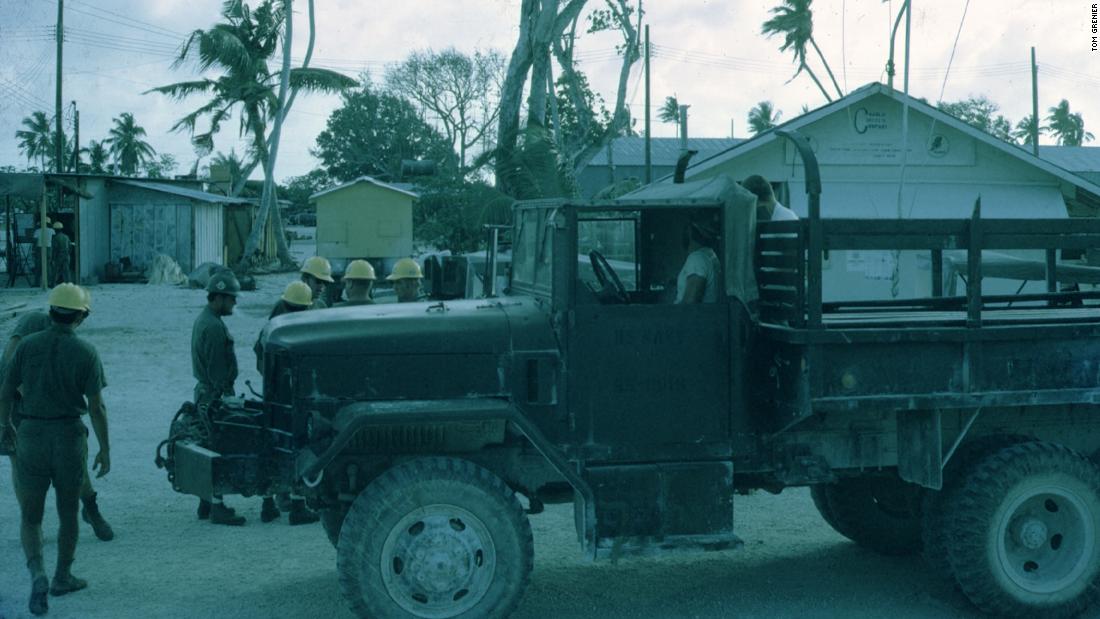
[[364, 179], [630, 151], [192, 194], [1072, 158]]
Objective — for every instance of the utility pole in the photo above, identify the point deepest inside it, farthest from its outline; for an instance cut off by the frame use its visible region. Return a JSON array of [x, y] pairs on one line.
[[648, 137], [1034, 104], [684, 126], [76, 139], [59, 166]]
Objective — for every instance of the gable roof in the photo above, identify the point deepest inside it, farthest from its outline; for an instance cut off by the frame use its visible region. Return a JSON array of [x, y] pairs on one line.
[[630, 151], [192, 194], [364, 179], [1072, 158], [875, 88]]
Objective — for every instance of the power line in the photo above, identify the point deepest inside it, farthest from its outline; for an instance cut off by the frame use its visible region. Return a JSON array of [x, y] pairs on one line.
[[92, 7]]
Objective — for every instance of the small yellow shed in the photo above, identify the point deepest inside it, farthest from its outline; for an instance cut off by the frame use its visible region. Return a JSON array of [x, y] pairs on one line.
[[364, 218]]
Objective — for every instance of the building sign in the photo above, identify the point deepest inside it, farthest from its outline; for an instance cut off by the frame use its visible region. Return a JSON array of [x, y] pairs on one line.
[[864, 120]]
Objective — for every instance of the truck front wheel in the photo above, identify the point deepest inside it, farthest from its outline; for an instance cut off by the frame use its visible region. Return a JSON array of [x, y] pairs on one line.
[[880, 513], [435, 538], [1025, 532]]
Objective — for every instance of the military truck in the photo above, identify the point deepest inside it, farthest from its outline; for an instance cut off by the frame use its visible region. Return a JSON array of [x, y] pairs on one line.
[[962, 426]]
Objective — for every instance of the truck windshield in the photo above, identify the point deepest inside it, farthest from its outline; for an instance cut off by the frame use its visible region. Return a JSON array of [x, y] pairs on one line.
[[532, 251]]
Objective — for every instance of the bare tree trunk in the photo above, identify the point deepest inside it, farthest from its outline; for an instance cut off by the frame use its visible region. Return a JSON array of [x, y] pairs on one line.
[[630, 55], [813, 76], [536, 100], [827, 69]]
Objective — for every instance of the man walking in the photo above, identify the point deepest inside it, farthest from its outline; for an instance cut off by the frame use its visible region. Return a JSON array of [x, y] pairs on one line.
[[61, 378], [31, 323], [214, 365]]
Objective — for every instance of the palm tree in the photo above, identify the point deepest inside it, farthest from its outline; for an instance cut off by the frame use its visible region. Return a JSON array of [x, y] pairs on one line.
[[36, 140], [127, 147], [231, 162], [670, 110], [763, 117], [794, 20], [98, 156], [1025, 130], [240, 47], [1068, 127]]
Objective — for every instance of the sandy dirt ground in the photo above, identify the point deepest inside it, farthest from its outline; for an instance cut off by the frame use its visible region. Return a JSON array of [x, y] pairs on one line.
[[166, 563]]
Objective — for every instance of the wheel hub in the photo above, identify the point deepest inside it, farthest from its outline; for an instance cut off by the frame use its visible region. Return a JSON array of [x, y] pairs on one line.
[[438, 561], [1032, 533]]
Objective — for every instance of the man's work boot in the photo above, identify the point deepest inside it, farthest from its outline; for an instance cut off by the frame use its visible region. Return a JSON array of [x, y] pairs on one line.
[[300, 514], [220, 513], [90, 514], [67, 583], [269, 512], [39, 603], [204, 509]]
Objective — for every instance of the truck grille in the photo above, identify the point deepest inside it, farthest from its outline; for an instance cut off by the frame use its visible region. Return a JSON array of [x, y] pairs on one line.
[[458, 436]]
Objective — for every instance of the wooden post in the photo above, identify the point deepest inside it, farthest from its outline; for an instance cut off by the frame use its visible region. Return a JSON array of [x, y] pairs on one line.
[[648, 126], [937, 273], [1034, 104], [42, 248], [974, 268]]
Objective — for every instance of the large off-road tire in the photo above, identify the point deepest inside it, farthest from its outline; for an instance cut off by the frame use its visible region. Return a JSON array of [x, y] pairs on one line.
[[820, 495], [1025, 532], [879, 513], [934, 540], [435, 538], [332, 520]]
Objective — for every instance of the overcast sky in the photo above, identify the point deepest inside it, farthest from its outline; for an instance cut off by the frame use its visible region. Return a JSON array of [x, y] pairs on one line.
[[709, 53]]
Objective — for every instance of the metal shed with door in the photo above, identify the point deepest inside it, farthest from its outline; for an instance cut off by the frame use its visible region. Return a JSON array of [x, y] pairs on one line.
[[138, 219]]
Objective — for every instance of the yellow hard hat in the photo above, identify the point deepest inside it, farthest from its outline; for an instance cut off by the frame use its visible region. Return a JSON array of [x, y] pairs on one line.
[[318, 267], [69, 297], [87, 299], [57, 225], [298, 293], [406, 268], [359, 269]]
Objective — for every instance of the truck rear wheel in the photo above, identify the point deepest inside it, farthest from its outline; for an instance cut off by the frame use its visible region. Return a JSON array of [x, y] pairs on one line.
[[435, 538], [879, 513], [1024, 532]]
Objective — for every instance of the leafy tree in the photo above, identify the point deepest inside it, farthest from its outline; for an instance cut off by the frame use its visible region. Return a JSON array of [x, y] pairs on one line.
[[36, 139], [373, 131], [161, 167], [300, 188], [618, 15], [230, 162], [670, 110], [762, 117], [460, 92], [1026, 130], [98, 156], [794, 20], [240, 47], [578, 127], [1068, 127], [126, 145], [980, 112], [453, 215]]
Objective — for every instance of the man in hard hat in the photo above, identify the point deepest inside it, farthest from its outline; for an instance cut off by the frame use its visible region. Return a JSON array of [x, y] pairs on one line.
[[60, 247], [30, 323], [406, 276], [317, 273], [45, 239], [61, 379], [214, 365], [297, 297], [358, 282]]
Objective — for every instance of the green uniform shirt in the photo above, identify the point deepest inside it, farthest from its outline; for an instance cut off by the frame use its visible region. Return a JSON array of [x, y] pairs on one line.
[[57, 371], [60, 245], [213, 361], [29, 323]]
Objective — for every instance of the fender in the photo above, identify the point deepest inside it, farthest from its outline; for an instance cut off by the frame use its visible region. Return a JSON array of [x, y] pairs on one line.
[[354, 417]]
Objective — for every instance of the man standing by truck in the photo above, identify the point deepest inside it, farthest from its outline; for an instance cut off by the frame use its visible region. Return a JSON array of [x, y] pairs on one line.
[[358, 282], [28, 324], [61, 378], [214, 365], [406, 276], [317, 273]]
